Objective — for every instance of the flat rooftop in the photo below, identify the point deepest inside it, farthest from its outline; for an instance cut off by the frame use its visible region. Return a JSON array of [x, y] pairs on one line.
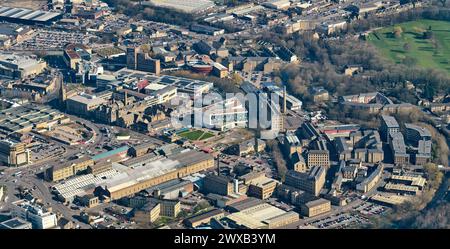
[[21, 61], [398, 143], [390, 121], [390, 199], [182, 84], [131, 176], [244, 204], [258, 216], [14, 223], [190, 6], [21, 117], [27, 14], [87, 100], [423, 132]]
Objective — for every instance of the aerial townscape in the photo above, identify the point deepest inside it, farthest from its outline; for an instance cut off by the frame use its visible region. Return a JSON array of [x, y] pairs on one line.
[[224, 114]]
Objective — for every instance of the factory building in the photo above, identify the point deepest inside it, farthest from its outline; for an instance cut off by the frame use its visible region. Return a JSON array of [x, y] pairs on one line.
[[83, 104], [141, 149], [133, 180], [148, 213], [14, 153], [371, 181], [261, 216], [291, 144], [277, 4], [28, 16], [365, 146], [65, 170], [421, 141], [262, 188], [171, 190], [388, 125], [25, 118], [311, 182], [207, 30], [204, 218], [315, 207], [415, 133], [318, 158], [218, 184], [19, 67], [398, 148], [149, 210]]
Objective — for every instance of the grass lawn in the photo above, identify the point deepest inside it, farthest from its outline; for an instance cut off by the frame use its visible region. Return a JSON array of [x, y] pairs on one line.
[[206, 135], [427, 54], [196, 135]]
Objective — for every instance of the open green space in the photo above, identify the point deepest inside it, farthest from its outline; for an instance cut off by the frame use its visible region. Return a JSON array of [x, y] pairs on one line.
[[409, 43], [196, 135]]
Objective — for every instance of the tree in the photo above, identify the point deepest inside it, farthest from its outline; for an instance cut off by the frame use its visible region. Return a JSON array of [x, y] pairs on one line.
[[280, 163], [236, 78], [406, 46], [443, 2], [428, 34], [398, 31], [436, 218], [434, 175], [201, 206]]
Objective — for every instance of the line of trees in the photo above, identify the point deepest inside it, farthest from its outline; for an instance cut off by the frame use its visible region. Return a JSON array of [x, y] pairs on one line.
[[274, 148], [371, 21], [152, 13], [325, 60]]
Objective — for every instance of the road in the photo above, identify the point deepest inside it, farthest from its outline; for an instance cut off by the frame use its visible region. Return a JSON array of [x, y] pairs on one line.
[[41, 189], [29, 174]]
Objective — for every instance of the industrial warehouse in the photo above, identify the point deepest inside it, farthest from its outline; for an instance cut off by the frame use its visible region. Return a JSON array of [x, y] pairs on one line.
[[28, 16], [120, 181]]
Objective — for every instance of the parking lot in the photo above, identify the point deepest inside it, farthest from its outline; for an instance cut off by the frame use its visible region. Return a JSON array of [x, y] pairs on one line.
[[339, 221], [368, 209], [51, 40], [43, 150], [256, 77]]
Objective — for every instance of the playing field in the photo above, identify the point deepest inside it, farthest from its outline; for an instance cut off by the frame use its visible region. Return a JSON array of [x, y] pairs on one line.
[[196, 135], [428, 53]]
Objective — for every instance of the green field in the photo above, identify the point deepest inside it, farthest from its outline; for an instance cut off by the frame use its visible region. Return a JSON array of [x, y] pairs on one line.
[[427, 53], [196, 135]]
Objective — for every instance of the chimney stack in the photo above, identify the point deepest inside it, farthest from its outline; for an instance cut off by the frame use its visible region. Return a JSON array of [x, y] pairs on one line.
[[284, 100]]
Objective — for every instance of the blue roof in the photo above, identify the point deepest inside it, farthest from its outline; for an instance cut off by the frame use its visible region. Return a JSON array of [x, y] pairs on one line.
[[110, 153]]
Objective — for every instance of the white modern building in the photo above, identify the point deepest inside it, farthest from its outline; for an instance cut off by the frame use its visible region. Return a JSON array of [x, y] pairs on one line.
[[39, 217], [225, 115]]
